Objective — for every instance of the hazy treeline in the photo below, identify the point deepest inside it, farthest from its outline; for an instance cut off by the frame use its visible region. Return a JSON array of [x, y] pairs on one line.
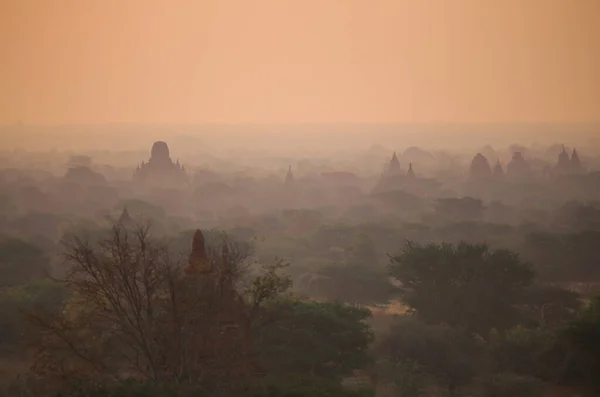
[[369, 273]]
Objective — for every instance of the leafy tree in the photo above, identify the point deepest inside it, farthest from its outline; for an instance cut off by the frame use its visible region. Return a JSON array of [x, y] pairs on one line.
[[549, 306], [356, 278], [567, 355], [270, 283], [442, 353], [44, 295], [21, 262], [564, 257], [583, 337], [310, 338], [528, 352], [408, 377], [354, 283], [465, 285], [578, 216]]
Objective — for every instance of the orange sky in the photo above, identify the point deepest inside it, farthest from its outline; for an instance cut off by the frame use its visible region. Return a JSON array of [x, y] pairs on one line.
[[271, 61]]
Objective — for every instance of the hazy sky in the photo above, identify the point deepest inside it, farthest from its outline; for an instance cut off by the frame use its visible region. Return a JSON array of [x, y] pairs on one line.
[[270, 61]]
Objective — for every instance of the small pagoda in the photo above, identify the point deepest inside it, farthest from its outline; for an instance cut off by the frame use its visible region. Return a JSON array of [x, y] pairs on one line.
[[227, 332]]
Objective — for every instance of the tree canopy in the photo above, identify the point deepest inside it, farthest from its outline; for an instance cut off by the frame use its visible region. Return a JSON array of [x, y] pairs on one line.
[[319, 338], [21, 262], [465, 285]]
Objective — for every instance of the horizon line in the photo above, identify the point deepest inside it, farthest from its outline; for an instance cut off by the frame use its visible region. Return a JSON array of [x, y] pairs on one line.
[[267, 124]]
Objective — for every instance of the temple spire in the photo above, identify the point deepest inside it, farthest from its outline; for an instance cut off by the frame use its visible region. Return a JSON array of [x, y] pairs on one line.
[[198, 260], [125, 219], [564, 163], [394, 165], [575, 162], [289, 178], [498, 170], [411, 172]]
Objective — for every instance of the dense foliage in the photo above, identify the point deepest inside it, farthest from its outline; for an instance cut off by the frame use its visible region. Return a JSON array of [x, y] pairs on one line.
[[310, 338], [464, 286], [351, 307]]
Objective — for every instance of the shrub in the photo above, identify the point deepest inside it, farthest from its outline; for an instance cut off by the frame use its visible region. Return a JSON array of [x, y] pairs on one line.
[[511, 385]]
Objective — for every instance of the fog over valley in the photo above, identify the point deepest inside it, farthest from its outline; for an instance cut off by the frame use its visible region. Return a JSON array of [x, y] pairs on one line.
[[316, 198]]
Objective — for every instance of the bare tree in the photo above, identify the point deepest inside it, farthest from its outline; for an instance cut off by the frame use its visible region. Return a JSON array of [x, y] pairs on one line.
[[137, 311]]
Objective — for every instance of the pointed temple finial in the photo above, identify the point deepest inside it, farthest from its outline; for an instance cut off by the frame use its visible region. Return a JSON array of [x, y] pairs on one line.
[[198, 260], [394, 165], [498, 170], [576, 166], [411, 172], [125, 219], [289, 178], [563, 165]]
